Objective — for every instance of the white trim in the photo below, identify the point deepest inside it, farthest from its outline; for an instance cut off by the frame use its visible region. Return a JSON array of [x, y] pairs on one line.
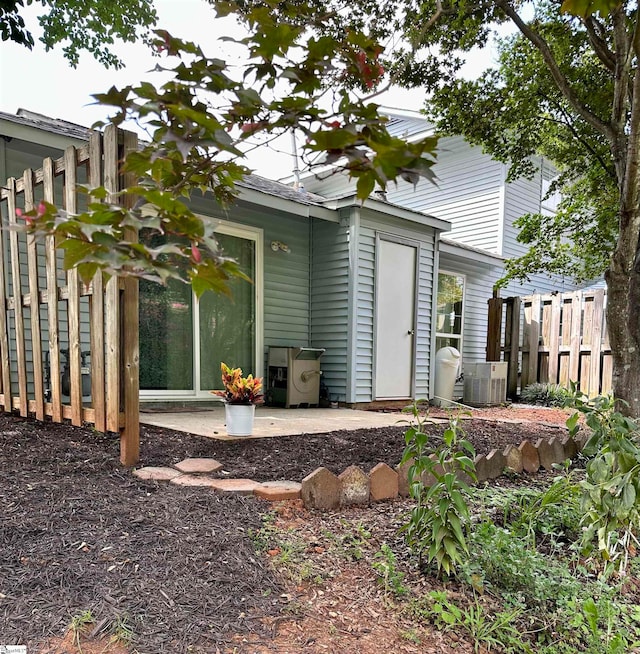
[[353, 224], [502, 210], [436, 333], [248, 232], [400, 240], [434, 314]]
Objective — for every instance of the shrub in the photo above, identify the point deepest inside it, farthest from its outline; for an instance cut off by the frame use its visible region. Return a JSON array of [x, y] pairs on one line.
[[438, 523], [544, 394], [611, 491]]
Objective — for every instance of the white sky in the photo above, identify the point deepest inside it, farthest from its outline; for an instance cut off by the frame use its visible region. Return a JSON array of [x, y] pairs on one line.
[[45, 83]]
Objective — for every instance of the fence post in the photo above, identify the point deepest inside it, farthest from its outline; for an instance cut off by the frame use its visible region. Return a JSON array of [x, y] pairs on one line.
[[494, 328], [596, 342], [130, 434], [531, 340], [512, 343]]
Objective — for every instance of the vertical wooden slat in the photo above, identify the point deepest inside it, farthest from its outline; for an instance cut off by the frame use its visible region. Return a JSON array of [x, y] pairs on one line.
[[112, 300], [513, 335], [130, 434], [573, 346], [596, 341], [565, 340], [34, 294], [96, 303], [5, 376], [52, 301], [532, 332], [16, 285], [494, 329], [587, 345], [73, 302], [554, 340], [607, 361], [576, 337]]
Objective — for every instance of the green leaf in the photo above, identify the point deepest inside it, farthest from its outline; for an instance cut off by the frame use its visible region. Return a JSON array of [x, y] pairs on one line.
[[366, 184]]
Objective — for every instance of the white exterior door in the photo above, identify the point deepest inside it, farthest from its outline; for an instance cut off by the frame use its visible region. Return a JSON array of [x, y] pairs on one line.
[[395, 319]]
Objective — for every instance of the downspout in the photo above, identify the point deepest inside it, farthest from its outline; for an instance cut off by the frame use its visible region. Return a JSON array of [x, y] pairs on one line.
[[434, 312], [310, 318], [352, 221]]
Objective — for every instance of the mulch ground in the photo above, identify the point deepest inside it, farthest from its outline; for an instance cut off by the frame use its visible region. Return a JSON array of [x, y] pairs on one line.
[[177, 565], [294, 457]]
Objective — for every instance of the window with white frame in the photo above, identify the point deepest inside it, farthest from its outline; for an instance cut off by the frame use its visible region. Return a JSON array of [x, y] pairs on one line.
[[449, 310]]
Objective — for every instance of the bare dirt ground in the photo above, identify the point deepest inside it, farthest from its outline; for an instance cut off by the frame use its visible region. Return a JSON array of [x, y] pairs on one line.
[[173, 569]]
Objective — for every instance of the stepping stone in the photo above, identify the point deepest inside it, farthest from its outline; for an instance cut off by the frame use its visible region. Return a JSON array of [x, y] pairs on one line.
[[199, 465], [384, 482], [193, 480], [530, 457], [235, 486], [277, 491], [354, 486], [321, 490], [156, 474]]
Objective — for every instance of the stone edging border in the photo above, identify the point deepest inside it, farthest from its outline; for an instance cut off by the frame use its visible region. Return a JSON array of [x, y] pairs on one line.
[[325, 491]]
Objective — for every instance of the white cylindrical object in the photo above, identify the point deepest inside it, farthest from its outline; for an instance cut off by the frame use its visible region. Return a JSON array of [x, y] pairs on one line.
[[239, 419], [447, 365]]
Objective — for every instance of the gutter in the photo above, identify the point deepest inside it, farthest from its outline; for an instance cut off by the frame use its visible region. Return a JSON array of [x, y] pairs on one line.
[[389, 209]]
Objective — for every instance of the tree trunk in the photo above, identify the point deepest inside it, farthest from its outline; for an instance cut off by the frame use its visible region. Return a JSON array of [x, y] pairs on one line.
[[623, 315]]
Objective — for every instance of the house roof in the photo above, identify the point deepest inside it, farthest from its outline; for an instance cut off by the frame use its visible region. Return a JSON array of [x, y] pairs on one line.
[[281, 190], [27, 118], [288, 197], [464, 251]]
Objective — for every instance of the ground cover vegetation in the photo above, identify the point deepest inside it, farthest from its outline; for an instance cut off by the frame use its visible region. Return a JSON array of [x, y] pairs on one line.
[[545, 568], [514, 565]]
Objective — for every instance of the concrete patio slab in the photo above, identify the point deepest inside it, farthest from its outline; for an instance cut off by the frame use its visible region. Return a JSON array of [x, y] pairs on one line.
[[272, 421]]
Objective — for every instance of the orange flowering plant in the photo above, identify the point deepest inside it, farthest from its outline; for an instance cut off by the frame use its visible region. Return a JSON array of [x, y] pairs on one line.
[[239, 389]]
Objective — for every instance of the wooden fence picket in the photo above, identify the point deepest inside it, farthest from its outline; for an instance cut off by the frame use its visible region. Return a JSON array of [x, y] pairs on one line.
[[564, 339], [47, 303]]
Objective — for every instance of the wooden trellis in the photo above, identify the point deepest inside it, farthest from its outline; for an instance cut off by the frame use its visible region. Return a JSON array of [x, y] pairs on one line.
[[56, 332], [552, 339]]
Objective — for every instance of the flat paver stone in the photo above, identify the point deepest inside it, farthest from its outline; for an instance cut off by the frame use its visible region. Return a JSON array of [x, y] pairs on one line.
[[277, 491], [193, 480], [156, 473], [199, 465], [235, 486]]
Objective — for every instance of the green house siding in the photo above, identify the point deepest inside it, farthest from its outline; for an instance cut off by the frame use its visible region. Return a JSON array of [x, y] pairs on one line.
[[286, 274], [330, 303]]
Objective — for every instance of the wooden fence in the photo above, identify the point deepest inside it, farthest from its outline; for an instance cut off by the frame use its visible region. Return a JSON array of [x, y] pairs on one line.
[[57, 333], [552, 339]]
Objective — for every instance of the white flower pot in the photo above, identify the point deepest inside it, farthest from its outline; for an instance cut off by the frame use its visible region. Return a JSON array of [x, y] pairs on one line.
[[239, 419]]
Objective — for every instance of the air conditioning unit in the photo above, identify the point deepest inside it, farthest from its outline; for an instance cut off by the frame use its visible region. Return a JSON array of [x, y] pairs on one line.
[[294, 376], [485, 384]]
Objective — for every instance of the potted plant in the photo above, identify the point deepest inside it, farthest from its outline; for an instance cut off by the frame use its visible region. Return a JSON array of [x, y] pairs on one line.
[[240, 395]]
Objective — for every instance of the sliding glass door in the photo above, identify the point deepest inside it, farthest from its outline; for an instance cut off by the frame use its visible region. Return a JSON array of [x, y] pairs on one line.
[[183, 340]]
